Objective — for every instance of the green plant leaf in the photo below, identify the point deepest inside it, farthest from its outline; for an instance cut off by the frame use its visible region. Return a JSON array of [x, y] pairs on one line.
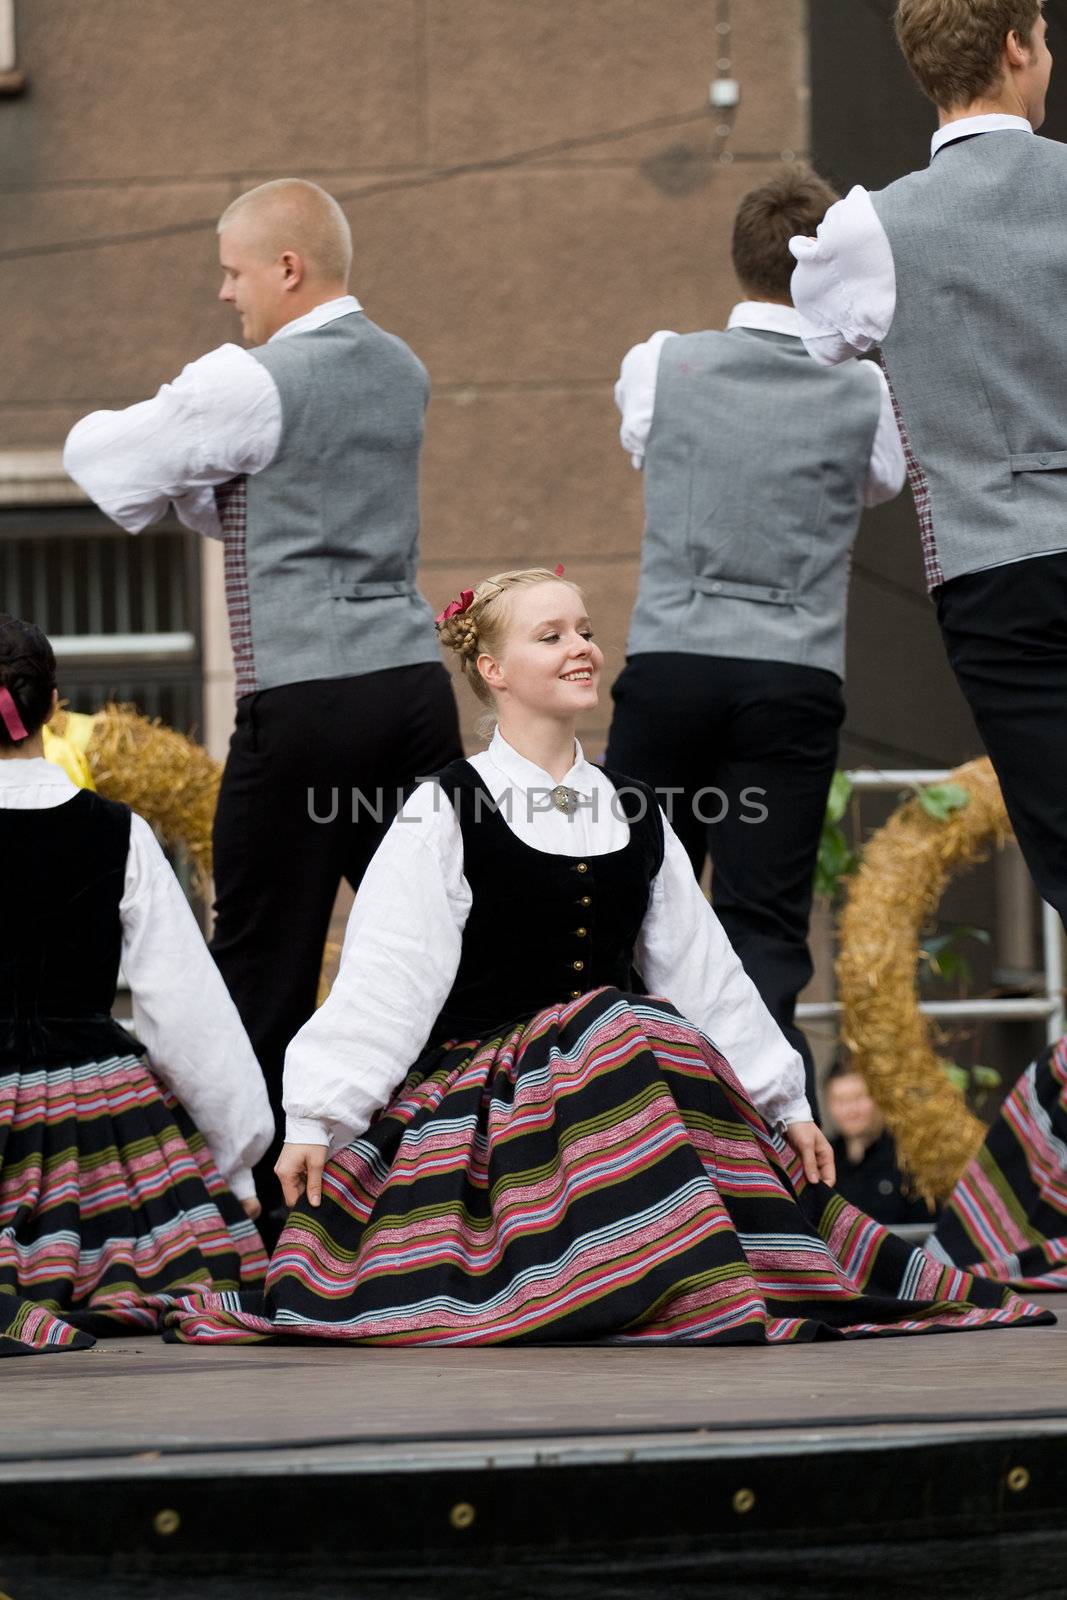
[[836, 859], [956, 1075], [839, 796], [943, 956], [951, 966], [940, 800]]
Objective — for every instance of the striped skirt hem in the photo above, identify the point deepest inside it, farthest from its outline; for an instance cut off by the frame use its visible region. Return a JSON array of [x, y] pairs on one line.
[[595, 1174]]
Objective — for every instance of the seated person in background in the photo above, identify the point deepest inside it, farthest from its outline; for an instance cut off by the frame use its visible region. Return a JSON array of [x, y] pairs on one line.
[[864, 1152], [113, 1196]]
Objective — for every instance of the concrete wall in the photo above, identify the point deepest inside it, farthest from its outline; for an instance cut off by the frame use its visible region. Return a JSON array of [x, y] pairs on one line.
[[505, 222]]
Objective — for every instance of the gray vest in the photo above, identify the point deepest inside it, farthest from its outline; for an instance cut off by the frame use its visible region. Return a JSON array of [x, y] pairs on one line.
[[755, 469], [977, 350], [332, 533]]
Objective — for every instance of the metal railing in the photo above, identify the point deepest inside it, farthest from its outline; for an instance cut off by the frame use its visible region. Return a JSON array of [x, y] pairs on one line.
[[1048, 1007]]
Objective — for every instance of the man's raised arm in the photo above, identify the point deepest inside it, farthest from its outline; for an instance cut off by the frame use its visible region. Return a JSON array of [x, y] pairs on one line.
[[844, 283], [220, 417]]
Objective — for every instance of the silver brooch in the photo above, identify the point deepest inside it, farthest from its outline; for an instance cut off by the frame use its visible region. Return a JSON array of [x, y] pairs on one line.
[[565, 800]]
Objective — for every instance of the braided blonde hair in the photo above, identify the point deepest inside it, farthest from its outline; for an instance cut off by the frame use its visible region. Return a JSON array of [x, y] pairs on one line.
[[482, 627]]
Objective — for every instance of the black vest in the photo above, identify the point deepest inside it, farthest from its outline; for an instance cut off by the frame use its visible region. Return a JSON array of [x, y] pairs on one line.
[[543, 928], [64, 871]]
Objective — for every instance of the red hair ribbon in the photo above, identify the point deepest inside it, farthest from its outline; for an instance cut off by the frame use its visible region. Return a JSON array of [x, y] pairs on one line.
[[10, 712], [560, 570], [456, 608]]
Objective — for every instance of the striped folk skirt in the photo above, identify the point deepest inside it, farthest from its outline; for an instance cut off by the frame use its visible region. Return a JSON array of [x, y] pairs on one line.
[[1007, 1217], [595, 1174], [111, 1207]]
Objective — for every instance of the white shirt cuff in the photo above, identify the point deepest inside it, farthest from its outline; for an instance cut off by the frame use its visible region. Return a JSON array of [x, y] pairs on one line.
[[306, 1130], [242, 1185]]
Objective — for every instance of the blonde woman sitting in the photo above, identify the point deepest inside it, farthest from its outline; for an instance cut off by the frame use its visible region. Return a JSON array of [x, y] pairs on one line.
[[496, 1134]]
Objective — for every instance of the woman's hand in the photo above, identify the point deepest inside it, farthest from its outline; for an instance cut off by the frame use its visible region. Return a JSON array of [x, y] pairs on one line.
[[813, 1148], [252, 1207], [299, 1170]]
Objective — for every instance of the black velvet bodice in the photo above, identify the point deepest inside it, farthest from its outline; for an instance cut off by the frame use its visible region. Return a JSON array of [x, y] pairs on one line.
[[64, 871], [543, 928]]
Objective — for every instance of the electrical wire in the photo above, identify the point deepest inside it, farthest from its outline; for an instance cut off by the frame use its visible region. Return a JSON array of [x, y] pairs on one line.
[[424, 180], [411, 181]]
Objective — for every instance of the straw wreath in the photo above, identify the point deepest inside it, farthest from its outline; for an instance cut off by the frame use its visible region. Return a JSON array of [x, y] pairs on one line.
[[906, 866]]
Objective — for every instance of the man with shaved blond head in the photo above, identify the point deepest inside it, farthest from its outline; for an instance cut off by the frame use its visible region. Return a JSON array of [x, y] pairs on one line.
[[301, 453]]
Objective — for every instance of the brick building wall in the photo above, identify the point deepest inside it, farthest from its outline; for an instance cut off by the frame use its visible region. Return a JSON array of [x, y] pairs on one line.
[[507, 222]]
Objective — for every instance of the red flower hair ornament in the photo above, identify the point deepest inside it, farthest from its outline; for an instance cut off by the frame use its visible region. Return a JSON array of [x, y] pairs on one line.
[[456, 608]]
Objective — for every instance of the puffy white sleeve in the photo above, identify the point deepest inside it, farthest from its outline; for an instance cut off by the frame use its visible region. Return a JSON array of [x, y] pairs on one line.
[[185, 1018], [400, 957], [844, 284], [220, 417], [635, 393], [684, 955], [887, 468]]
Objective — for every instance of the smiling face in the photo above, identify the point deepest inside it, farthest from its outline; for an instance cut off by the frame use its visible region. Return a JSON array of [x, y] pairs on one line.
[[548, 664]]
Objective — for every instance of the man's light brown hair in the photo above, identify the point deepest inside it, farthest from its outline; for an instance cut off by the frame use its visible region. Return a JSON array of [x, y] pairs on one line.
[[954, 46], [293, 214], [794, 201]]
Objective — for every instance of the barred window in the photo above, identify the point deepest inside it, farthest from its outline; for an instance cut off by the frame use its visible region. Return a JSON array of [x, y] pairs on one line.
[[122, 612]]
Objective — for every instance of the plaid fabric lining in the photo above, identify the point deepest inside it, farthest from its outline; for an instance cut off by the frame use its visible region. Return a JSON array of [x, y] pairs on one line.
[[920, 490], [232, 502]]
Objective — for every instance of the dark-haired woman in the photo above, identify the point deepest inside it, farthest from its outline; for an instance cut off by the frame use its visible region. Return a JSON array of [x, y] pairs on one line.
[[124, 1166]]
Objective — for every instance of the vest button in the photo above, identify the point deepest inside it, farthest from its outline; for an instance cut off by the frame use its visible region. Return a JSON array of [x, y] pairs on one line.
[[586, 900], [581, 932], [579, 966], [581, 867]]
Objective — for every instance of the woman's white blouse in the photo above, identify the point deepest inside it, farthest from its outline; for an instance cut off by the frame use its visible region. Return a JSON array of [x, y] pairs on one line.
[[182, 1011], [404, 938]]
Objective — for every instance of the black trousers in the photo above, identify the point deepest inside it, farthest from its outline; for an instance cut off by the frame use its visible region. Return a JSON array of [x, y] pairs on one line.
[[760, 737], [1005, 631], [285, 835]]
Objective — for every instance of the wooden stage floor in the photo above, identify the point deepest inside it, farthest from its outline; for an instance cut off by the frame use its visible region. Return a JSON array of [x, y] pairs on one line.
[[159, 1446]]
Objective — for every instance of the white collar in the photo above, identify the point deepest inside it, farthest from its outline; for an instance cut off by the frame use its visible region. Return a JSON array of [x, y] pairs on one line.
[[17, 773], [525, 775], [319, 316], [966, 127], [765, 318]]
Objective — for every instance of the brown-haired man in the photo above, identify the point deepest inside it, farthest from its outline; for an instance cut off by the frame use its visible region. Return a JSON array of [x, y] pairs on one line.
[[756, 472], [959, 272]]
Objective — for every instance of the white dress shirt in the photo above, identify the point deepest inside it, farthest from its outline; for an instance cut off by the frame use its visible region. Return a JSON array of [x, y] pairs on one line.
[[182, 1011], [404, 938], [222, 416], [844, 284], [635, 396]]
